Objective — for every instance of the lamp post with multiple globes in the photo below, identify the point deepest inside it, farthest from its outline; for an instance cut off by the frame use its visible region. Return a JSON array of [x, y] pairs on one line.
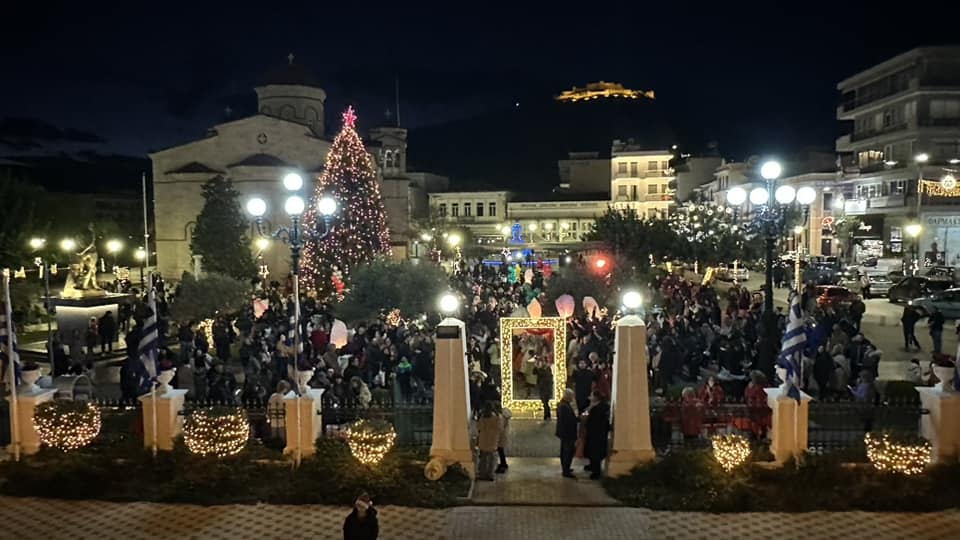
[[770, 216], [913, 231]]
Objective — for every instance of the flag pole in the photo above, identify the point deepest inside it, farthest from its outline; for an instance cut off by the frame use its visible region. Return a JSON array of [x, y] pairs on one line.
[[153, 381], [11, 375], [146, 227]]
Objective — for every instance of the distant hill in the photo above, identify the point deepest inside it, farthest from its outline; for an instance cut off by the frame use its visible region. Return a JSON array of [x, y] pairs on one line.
[[518, 147], [88, 172]]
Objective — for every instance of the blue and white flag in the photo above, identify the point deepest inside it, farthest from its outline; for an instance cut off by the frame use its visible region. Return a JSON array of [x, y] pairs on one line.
[[149, 338], [794, 339]]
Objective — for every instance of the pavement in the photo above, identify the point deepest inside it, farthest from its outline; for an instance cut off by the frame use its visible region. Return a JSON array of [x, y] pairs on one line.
[[94, 520]]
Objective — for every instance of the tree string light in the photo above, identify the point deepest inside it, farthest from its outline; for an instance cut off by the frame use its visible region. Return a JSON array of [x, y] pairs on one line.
[[370, 440], [67, 425], [730, 451], [898, 457], [360, 233], [211, 432]]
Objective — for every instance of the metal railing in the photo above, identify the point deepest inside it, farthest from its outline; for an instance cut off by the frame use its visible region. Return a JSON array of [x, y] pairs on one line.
[[413, 423], [676, 424], [841, 425]]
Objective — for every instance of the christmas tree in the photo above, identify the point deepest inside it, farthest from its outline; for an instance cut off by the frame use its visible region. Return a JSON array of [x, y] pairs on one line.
[[221, 232], [359, 232], [712, 234]]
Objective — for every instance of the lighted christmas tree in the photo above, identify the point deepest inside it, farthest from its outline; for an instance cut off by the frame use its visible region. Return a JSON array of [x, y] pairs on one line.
[[360, 231]]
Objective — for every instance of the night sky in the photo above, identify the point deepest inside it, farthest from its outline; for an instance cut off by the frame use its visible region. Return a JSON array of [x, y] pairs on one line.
[[128, 79]]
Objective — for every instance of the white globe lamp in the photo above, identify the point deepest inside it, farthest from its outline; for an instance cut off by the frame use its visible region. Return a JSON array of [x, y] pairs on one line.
[[327, 206], [759, 196], [736, 196], [771, 170], [257, 207], [449, 304], [785, 194], [294, 205], [806, 195], [293, 182]]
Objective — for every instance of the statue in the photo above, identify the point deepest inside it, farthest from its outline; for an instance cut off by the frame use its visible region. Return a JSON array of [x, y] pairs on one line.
[[82, 278]]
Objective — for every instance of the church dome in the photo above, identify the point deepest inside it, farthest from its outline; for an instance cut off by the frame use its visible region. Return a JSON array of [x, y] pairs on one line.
[[292, 93], [292, 73]]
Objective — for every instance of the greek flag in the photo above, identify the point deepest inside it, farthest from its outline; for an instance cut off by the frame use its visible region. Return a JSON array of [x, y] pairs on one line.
[[794, 340], [149, 338]]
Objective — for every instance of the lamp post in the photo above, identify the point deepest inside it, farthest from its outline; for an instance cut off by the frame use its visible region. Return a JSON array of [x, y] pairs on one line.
[[141, 256], [770, 216], [914, 230], [920, 160], [113, 247], [43, 262], [295, 236]]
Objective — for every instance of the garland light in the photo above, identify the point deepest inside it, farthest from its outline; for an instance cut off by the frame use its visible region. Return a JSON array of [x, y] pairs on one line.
[[897, 456], [67, 425], [730, 451], [370, 440], [209, 432]]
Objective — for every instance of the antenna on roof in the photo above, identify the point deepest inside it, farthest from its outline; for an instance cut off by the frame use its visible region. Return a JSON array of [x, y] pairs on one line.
[[290, 58]]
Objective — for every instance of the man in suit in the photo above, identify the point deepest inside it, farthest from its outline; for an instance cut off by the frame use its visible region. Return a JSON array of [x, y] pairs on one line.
[[567, 432]]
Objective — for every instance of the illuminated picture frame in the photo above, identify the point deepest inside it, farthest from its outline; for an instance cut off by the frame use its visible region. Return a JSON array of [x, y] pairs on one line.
[[508, 326]]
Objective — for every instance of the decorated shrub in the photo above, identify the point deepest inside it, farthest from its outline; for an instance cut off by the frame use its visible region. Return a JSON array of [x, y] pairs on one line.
[[67, 425], [370, 440], [216, 432]]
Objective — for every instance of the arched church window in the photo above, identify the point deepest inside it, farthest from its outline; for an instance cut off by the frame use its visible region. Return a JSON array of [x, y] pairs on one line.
[[388, 159]]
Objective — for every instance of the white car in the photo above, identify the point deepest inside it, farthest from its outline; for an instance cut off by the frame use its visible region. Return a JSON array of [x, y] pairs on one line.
[[729, 273]]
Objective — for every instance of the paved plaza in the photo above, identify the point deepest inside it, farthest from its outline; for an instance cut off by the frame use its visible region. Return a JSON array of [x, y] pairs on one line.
[[88, 520]]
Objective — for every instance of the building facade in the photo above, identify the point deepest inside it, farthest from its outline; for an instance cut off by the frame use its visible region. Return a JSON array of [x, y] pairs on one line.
[[903, 119], [255, 153]]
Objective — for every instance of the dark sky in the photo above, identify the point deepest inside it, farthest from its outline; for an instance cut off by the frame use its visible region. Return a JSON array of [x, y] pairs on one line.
[[132, 77]]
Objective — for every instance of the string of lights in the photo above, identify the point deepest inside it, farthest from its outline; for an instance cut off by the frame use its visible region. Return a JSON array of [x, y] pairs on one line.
[[208, 432], [899, 457], [361, 232], [67, 425], [370, 440], [730, 451]]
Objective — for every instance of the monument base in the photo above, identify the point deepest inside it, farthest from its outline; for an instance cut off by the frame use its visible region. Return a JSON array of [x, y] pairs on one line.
[[75, 313], [622, 462]]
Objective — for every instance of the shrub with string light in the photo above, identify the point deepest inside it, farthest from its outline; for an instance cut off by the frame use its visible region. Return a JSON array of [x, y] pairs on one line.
[[67, 425], [711, 233], [216, 432], [370, 440], [898, 454], [730, 451], [359, 231]]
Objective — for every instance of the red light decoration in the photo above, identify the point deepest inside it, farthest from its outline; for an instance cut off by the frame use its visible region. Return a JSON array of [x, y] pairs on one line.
[[601, 263]]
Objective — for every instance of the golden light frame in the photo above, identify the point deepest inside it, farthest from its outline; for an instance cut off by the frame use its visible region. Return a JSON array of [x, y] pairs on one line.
[[507, 327]]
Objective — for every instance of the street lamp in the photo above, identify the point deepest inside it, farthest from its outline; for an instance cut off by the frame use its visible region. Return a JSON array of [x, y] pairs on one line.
[[770, 217], [913, 231], [141, 256], [68, 245], [449, 304], [631, 300], [43, 261], [113, 247]]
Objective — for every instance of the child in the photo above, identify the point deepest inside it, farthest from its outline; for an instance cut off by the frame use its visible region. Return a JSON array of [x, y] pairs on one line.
[[488, 437]]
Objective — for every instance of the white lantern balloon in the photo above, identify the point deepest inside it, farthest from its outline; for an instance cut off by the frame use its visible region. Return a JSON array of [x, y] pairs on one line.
[[338, 333], [565, 305], [534, 309]]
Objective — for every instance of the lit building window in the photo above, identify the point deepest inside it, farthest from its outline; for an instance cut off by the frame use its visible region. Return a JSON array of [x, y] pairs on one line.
[[651, 165], [479, 209], [442, 210], [493, 209], [455, 209], [467, 207]]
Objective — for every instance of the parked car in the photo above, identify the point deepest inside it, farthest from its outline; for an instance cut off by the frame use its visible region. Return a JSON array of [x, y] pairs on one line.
[[944, 273], [912, 287], [834, 296], [879, 283], [729, 273], [821, 274], [948, 302]]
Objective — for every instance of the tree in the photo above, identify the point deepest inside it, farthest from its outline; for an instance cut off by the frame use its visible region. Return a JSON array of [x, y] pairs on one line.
[[18, 220], [634, 238], [359, 232], [208, 296], [220, 235], [383, 284], [710, 235], [844, 230]]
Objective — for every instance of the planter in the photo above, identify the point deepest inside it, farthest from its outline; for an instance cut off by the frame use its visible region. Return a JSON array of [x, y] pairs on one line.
[[29, 378], [945, 375], [164, 378], [303, 378]]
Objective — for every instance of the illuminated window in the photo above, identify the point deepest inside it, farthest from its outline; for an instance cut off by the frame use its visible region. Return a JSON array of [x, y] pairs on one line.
[[455, 209], [467, 207], [651, 165], [479, 209], [442, 210], [493, 209], [898, 187]]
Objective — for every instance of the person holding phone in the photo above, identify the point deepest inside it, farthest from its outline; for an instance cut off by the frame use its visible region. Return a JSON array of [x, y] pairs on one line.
[[361, 523]]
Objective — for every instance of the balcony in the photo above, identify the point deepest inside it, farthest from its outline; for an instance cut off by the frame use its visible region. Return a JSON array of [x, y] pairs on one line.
[[869, 134], [856, 207]]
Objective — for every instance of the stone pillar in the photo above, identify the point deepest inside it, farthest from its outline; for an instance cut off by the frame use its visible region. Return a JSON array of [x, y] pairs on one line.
[[630, 399], [27, 403], [788, 431], [310, 424], [451, 402], [169, 418], [942, 425]]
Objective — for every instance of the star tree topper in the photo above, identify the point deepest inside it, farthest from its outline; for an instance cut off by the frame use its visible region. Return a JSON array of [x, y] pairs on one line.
[[349, 117]]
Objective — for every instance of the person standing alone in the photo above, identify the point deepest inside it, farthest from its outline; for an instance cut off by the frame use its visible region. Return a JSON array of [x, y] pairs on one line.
[[567, 432], [909, 321], [936, 329]]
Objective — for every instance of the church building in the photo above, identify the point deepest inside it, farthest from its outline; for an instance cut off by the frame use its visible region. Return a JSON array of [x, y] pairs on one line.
[[288, 134]]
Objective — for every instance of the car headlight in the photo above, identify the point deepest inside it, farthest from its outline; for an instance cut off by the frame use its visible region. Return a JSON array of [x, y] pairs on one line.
[[909, 302]]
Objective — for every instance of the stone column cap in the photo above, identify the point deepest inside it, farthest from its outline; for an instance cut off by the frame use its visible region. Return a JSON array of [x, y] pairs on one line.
[[936, 393], [169, 394]]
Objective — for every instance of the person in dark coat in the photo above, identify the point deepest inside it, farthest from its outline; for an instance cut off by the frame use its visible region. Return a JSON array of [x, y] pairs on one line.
[[361, 523], [598, 428], [935, 320], [544, 373], [567, 432], [108, 332], [823, 370], [583, 379], [909, 320]]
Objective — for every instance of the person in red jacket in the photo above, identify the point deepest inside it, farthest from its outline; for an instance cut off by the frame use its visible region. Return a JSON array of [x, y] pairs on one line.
[[691, 415]]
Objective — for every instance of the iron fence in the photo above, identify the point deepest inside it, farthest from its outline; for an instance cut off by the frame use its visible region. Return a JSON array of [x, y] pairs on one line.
[[690, 424], [267, 420], [413, 423], [841, 425]]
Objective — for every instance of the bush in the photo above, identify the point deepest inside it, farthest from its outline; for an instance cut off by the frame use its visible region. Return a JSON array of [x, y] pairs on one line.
[[332, 476], [693, 481], [209, 296], [384, 285]]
